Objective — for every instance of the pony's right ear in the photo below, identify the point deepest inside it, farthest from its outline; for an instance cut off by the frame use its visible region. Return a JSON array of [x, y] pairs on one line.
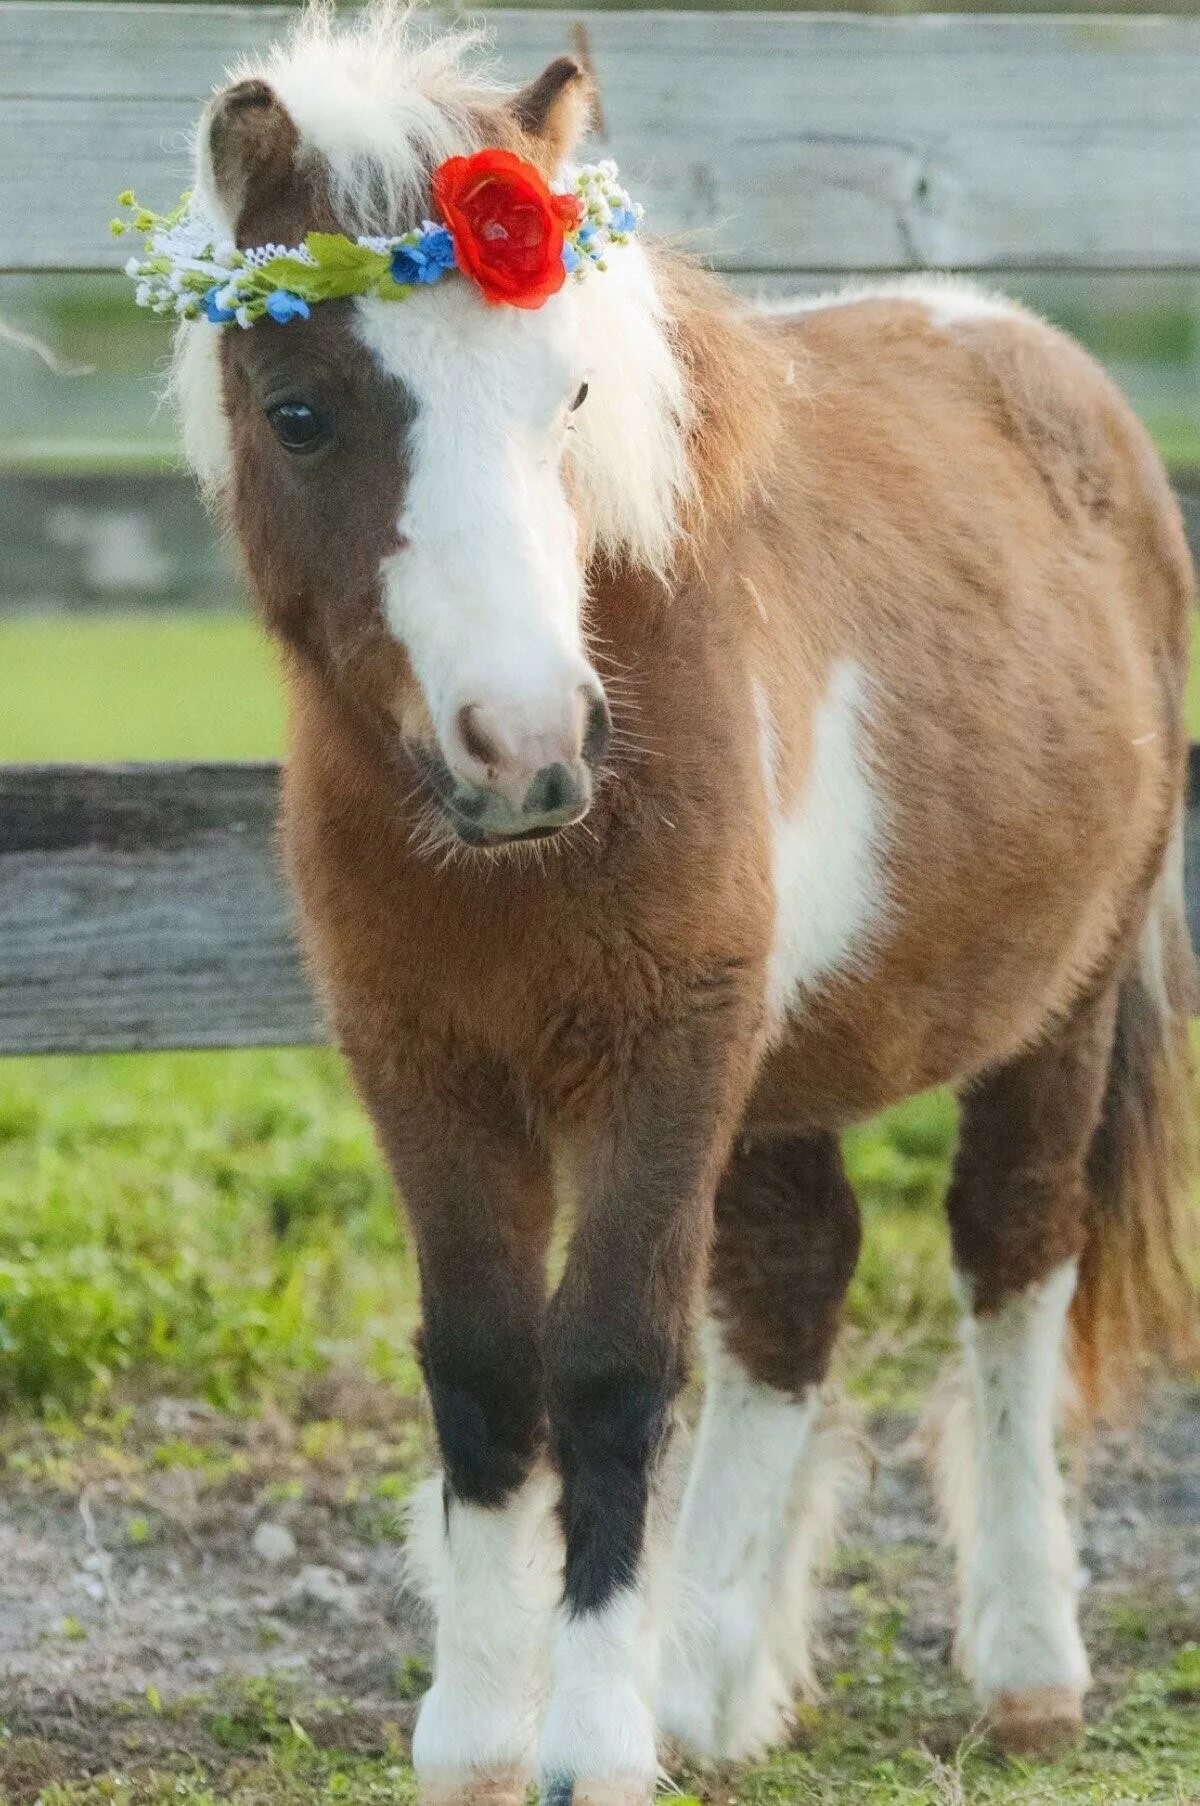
[[555, 110], [247, 153]]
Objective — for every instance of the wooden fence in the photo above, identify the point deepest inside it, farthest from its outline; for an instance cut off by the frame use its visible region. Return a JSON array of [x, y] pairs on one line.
[[139, 906]]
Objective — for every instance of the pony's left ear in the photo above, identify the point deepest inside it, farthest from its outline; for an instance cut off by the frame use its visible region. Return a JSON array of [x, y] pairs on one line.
[[554, 111], [247, 148]]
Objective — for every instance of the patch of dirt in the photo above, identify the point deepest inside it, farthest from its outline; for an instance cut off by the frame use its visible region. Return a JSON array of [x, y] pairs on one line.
[[127, 1587]]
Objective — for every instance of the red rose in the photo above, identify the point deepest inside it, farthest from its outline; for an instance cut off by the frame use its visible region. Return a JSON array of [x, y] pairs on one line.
[[506, 225]]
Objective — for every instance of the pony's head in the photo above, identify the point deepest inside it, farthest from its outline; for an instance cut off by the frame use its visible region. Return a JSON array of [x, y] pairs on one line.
[[420, 486]]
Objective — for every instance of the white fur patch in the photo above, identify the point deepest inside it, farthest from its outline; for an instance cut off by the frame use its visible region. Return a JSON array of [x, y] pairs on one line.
[[826, 855], [1002, 1496], [948, 300], [629, 440], [493, 1577], [759, 1517], [599, 1726], [194, 390], [379, 99]]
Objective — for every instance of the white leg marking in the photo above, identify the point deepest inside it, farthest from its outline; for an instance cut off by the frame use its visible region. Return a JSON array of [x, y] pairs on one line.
[[1002, 1495], [493, 1576], [759, 1518], [599, 1726]]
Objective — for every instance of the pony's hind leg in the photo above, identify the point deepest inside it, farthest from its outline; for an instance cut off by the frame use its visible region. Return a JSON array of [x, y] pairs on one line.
[[770, 1458], [1018, 1218]]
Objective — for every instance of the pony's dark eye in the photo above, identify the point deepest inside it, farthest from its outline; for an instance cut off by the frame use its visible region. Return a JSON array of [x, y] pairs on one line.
[[297, 427], [579, 399]]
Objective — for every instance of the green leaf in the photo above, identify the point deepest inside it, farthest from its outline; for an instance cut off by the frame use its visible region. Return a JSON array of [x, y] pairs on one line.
[[341, 268]]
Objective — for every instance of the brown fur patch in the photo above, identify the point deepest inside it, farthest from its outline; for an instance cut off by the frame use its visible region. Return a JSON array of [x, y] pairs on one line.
[[553, 111], [252, 144], [786, 1245]]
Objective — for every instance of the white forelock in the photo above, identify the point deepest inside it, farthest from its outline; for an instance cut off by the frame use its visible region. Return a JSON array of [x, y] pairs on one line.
[[378, 100]]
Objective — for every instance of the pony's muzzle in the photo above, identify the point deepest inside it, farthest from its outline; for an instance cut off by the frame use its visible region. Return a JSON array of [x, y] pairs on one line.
[[510, 784]]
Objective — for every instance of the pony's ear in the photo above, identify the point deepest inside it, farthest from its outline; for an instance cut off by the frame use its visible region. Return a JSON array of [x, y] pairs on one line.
[[555, 110], [247, 146]]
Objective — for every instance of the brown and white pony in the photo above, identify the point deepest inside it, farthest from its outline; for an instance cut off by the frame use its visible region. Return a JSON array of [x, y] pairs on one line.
[[835, 657]]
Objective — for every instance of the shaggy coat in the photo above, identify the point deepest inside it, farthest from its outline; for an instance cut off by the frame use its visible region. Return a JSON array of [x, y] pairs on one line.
[[889, 600]]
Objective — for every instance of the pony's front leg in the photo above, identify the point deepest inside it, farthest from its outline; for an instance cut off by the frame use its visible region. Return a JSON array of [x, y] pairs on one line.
[[617, 1350], [479, 1199]]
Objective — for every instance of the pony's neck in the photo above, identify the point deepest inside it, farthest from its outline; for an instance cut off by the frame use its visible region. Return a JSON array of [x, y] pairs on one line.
[[734, 374], [683, 412]]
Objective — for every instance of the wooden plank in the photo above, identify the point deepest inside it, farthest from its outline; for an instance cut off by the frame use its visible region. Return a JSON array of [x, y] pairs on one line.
[[141, 907], [772, 142]]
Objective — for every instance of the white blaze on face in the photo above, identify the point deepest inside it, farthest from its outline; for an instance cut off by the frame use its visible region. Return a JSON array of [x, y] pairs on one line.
[[486, 594]]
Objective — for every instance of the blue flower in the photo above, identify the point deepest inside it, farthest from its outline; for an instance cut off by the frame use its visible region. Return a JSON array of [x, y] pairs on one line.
[[220, 316], [586, 234], [571, 257], [425, 261], [283, 306], [623, 220]]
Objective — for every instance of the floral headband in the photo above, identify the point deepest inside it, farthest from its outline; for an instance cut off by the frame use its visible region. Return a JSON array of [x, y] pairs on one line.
[[500, 226]]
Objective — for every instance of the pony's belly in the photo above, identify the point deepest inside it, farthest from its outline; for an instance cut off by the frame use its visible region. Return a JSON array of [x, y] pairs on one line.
[[826, 1071]]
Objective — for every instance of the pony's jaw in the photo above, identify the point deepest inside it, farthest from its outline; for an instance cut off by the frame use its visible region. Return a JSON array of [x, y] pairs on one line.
[[485, 587]]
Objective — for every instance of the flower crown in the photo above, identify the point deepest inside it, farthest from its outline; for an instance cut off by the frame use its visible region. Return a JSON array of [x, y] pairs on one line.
[[500, 226]]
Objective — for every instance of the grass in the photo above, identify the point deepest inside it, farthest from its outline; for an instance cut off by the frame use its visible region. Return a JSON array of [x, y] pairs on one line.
[[137, 687], [219, 1227]]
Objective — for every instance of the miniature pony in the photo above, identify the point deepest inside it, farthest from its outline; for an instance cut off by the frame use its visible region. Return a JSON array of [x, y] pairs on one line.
[[707, 726]]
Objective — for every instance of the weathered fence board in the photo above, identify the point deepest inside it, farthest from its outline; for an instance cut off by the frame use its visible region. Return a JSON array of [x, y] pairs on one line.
[[141, 907], [775, 142]]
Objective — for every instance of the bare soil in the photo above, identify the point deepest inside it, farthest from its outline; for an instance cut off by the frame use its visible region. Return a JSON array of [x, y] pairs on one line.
[[140, 1572]]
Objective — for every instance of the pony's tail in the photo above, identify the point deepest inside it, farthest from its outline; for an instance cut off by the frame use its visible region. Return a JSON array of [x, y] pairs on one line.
[[1136, 1301]]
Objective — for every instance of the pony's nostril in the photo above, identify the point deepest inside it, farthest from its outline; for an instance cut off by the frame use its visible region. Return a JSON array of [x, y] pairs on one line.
[[477, 743], [599, 727], [552, 792]]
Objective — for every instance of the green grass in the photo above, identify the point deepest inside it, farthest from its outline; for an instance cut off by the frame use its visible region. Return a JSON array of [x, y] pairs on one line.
[[137, 687]]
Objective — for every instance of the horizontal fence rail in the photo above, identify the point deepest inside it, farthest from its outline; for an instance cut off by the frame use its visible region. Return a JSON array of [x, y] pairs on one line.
[[772, 142], [141, 908]]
